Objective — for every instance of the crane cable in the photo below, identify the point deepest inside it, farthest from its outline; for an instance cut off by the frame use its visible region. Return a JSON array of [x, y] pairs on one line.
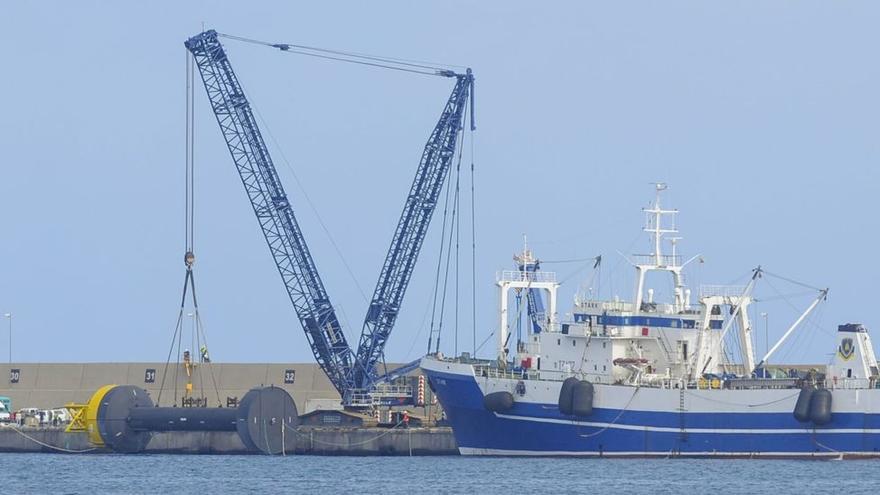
[[189, 283], [453, 236], [434, 289], [417, 67], [305, 195], [403, 65], [420, 67], [437, 278], [457, 240], [473, 250]]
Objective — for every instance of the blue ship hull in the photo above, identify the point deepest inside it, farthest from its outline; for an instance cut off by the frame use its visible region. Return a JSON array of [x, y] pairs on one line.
[[540, 429]]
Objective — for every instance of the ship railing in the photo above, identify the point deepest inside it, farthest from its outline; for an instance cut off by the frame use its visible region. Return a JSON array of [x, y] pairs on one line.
[[561, 375], [852, 383], [647, 307], [659, 308], [658, 381], [524, 276], [510, 374], [652, 260], [722, 290], [619, 306], [665, 382]]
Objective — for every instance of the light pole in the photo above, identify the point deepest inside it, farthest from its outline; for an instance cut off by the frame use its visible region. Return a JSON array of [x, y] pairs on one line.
[[8, 316]]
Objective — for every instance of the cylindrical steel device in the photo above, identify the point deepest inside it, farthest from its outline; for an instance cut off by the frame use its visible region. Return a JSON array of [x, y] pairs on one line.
[[126, 419], [182, 419]]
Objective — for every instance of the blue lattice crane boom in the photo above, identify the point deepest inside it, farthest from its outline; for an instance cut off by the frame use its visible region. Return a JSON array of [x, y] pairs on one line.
[[349, 372], [272, 208], [412, 228]]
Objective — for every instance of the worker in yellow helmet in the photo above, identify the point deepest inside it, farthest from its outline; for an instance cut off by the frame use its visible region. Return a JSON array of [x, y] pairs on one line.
[[205, 357]]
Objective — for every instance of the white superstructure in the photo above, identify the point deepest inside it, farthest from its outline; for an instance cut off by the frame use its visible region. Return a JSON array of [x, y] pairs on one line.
[[641, 341], [654, 377]]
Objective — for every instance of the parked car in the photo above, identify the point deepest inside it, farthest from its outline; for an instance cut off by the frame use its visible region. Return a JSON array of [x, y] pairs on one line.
[[5, 415]]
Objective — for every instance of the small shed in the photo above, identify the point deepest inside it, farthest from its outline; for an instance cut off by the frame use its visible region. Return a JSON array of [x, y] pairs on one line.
[[331, 418]]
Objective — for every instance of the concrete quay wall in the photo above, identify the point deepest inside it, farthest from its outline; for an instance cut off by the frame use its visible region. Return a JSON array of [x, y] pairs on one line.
[[51, 385], [302, 441]]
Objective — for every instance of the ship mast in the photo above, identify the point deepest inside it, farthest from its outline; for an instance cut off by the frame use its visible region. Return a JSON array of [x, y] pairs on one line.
[[529, 280], [657, 261]]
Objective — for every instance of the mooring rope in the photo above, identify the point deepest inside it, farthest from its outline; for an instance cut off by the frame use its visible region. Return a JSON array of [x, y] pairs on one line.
[[44, 444], [614, 421], [820, 444], [334, 444]]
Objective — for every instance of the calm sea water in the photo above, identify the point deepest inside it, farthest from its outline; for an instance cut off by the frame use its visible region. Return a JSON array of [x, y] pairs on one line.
[[209, 475]]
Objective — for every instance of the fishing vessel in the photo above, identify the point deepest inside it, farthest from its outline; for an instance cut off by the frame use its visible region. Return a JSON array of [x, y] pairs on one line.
[[645, 377]]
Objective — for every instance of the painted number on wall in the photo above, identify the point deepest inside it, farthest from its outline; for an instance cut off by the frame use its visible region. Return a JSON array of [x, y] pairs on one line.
[[14, 375], [150, 375], [289, 376]]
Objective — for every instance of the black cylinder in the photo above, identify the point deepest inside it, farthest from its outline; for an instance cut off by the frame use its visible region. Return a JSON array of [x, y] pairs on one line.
[[112, 418], [820, 407], [565, 395], [182, 419], [498, 401], [802, 407], [264, 419], [582, 398]]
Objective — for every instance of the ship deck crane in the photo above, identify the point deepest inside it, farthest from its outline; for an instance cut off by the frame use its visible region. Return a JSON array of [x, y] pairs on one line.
[[351, 373]]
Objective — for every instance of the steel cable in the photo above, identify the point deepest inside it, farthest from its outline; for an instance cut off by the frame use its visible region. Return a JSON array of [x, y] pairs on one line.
[[405, 65]]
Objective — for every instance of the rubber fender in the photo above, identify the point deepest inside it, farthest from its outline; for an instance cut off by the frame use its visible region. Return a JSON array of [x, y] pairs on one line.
[[802, 407], [820, 407], [565, 395], [582, 399], [498, 401]]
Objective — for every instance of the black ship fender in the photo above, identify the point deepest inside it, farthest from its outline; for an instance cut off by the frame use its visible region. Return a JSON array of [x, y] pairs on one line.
[[802, 406], [576, 397], [820, 407], [566, 395], [582, 399], [498, 402]]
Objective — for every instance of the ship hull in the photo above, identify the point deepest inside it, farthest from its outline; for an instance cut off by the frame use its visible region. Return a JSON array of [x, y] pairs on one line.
[[647, 422]]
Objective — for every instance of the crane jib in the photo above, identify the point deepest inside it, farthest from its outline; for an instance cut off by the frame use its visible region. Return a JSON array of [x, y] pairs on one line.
[[410, 235], [285, 239], [270, 204]]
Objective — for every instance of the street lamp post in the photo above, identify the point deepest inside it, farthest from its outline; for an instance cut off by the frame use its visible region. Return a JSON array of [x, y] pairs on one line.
[[8, 316]]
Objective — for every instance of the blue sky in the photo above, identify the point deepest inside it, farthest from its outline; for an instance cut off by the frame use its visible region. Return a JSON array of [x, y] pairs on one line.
[[762, 117]]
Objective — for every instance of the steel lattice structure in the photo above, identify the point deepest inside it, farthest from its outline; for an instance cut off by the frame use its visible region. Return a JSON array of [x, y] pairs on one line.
[[410, 233], [272, 208], [347, 371]]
